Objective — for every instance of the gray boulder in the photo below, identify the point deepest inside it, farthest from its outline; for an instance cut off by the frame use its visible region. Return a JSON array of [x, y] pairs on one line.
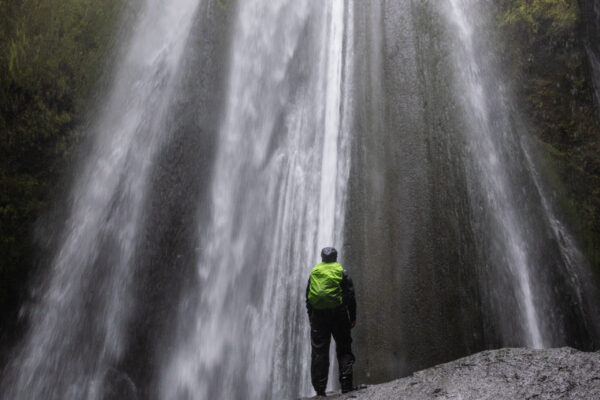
[[511, 374]]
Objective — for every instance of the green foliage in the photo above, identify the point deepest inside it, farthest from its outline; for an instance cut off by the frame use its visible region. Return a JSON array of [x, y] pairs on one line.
[[545, 56], [553, 17], [51, 55]]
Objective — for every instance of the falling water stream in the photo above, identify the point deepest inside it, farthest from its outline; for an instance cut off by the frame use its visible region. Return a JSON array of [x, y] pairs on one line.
[[509, 202], [490, 172], [217, 172], [78, 328], [276, 199]]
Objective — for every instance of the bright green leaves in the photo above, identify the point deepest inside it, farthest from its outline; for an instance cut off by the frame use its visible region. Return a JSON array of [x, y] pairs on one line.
[[556, 16]]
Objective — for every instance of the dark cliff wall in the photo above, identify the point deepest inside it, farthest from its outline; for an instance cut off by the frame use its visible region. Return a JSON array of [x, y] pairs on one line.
[[408, 239], [405, 250]]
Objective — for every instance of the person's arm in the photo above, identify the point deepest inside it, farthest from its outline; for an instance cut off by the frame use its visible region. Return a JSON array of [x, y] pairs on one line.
[[308, 306], [348, 297]]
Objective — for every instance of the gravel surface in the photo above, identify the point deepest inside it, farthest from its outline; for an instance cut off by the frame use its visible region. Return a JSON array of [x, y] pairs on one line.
[[510, 374]]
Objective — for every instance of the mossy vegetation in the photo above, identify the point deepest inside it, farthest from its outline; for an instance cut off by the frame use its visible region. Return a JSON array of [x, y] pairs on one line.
[[545, 57], [51, 55]]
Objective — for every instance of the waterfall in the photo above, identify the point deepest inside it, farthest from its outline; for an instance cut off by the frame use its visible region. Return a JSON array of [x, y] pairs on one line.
[[79, 325], [489, 171], [447, 199], [276, 198], [512, 211], [238, 138]]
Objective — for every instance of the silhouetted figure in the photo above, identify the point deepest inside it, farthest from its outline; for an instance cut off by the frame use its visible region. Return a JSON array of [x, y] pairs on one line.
[[332, 312]]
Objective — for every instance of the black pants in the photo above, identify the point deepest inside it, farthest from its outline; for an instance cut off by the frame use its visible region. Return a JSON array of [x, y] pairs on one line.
[[324, 324]]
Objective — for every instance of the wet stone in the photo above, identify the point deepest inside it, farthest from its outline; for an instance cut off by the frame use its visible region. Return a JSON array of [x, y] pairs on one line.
[[505, 374]]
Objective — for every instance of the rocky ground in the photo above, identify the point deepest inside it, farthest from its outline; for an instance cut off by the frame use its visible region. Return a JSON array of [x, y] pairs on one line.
[[512, 374]]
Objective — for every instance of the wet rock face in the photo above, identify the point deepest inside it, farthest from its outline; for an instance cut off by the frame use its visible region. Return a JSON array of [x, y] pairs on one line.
[[562, 373]]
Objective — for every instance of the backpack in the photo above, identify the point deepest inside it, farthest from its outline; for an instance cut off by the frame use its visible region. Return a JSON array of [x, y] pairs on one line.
[[325, 286]]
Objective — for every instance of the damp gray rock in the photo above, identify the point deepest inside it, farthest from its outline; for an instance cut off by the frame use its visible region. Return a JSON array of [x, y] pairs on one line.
[[508, 374]]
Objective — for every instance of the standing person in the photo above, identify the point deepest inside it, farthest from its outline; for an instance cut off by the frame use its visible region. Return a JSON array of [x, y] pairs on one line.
[[331, 312]]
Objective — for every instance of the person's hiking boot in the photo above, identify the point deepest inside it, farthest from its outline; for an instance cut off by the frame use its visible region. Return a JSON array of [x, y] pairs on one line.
[[346, 383], [353, 388], [321, 394]]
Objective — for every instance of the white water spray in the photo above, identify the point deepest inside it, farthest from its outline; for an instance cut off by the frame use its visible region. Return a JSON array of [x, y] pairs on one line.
[[329, 160], [77, 330], [490, 172], [272, 206]]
